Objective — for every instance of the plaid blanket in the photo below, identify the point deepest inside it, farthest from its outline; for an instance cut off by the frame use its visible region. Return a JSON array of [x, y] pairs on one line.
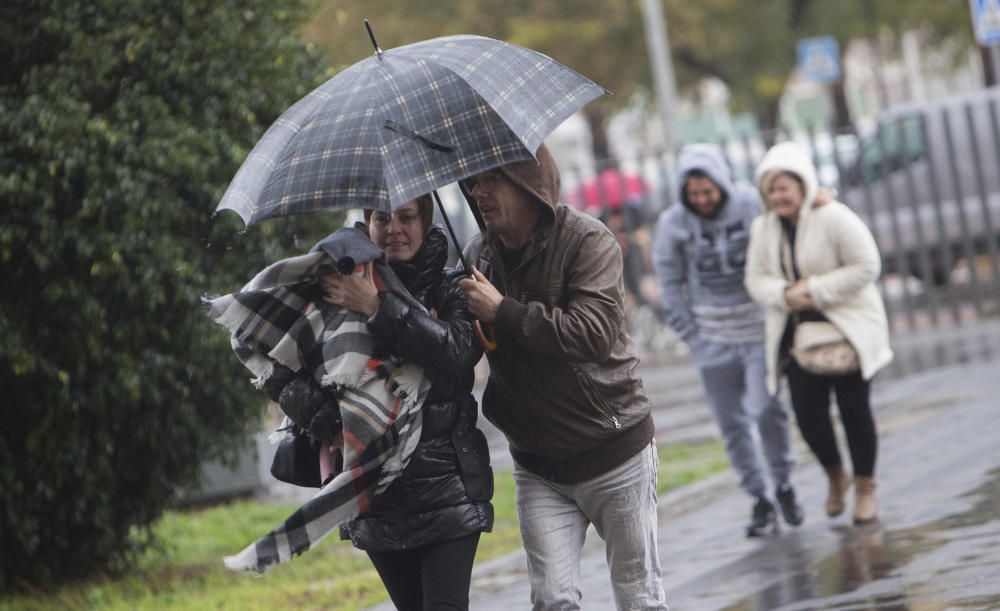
[[280, 316]]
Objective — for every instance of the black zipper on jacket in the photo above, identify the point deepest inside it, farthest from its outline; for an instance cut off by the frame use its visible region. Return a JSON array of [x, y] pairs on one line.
[[599, 404]]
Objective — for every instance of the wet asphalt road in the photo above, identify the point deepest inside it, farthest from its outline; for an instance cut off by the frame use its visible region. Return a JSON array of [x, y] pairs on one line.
[[938, 543], [936, 547]]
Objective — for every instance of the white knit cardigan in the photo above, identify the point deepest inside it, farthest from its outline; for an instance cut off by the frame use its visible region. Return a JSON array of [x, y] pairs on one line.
[[836, 252]]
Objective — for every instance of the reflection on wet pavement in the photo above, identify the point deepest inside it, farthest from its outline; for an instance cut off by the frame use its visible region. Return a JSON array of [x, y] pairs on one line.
[[937, 487], [947, 564], [943, 346]]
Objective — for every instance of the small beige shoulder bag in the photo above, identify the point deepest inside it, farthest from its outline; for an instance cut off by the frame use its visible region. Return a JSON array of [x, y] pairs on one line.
[[818, 347]]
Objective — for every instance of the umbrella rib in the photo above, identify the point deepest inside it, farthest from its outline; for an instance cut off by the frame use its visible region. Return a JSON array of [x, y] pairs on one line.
[[412, 135]]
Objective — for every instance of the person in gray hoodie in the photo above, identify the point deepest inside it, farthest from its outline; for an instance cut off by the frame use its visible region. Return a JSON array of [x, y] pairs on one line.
[[699, 252]]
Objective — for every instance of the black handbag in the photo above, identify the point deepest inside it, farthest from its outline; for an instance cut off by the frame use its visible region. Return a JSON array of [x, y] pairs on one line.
[[296, 461]]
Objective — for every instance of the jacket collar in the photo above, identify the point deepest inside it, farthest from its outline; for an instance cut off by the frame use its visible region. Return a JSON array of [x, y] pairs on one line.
[[540, 237], [424, 268]]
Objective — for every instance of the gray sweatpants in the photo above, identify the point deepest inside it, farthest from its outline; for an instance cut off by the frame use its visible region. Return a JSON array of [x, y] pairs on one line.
[[734, 379]]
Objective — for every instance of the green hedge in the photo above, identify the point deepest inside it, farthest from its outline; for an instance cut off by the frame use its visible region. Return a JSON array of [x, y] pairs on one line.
[[121, 123]]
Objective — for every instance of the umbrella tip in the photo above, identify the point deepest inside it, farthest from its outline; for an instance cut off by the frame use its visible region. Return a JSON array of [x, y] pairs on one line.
[[371, 35]]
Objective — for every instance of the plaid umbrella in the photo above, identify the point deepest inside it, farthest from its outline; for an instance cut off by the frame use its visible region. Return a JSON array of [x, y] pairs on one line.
[[404, 122]]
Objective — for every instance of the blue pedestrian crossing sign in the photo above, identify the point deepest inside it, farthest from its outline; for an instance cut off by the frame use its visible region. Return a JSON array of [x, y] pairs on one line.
[[986, 21], [819, 59]]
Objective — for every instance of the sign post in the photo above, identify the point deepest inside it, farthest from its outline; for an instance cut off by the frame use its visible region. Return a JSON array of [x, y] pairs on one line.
[[986, 23], [819, 59]]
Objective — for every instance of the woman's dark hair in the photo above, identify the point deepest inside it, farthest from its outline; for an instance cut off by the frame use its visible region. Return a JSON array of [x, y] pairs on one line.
[[425, 207]]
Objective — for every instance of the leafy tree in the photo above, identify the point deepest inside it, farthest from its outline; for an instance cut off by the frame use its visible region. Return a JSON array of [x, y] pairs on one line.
[[121, 123], [750, 46], [601, 40]]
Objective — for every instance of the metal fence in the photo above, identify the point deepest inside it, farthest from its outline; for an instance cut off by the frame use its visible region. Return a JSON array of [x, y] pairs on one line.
[[925, 178]]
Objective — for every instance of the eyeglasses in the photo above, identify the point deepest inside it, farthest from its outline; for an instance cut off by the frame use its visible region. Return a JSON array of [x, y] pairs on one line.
[[487, 183]]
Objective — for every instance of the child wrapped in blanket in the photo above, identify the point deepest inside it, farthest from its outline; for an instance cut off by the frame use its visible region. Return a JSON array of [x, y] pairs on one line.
[[317, 361]]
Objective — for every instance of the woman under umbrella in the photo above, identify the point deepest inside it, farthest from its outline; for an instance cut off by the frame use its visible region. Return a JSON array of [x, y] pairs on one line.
[[422, 532]]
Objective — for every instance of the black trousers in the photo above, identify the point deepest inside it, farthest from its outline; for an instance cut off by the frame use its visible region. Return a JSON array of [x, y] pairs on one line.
[[431, 577], [811, 403]]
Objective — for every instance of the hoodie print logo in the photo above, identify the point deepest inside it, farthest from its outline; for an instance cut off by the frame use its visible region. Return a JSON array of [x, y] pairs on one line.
[[720, 257], [706, 255]]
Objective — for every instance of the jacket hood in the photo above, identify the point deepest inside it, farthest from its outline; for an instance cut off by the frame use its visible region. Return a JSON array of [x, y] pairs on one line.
[[709, 160], [539, 177], [787, 157]]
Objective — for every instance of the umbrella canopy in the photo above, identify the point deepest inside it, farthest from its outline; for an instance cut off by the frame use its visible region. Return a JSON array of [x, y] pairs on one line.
[[404, 122]]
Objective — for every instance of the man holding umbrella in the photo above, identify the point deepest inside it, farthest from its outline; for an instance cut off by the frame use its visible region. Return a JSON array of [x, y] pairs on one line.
[[563, 386], [410, 120]]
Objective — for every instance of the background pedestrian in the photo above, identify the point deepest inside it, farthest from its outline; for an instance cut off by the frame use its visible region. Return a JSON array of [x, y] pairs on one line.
[[809, 264], [699, 255]]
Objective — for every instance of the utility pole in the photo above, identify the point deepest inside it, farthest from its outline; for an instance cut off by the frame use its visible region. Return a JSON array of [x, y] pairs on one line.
[[663, 71], [991, 64], [914, 66], [995, 57], [873, 42]]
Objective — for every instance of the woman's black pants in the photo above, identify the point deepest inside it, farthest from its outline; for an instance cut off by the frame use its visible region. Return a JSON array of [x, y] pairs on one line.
[[435, 576], [811, 403]]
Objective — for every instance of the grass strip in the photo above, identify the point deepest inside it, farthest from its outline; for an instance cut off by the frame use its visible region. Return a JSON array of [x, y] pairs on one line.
[[187, 572]]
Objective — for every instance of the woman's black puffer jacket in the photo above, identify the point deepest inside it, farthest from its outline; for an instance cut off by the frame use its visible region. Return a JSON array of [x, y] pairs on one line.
[[445, 490]]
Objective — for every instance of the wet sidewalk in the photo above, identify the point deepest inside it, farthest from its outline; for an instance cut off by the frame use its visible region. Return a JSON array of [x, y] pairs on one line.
[[936, 546]]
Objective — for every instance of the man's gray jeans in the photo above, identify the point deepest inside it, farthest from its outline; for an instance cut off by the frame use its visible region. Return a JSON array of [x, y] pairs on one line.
[[734, 379], [622, 506]]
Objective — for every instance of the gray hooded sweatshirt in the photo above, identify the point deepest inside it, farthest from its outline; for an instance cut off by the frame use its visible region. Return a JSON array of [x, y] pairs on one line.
[[699, 261]]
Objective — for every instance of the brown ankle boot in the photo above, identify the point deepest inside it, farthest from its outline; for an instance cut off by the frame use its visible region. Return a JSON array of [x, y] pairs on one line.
[[839, 483], [865, 507]]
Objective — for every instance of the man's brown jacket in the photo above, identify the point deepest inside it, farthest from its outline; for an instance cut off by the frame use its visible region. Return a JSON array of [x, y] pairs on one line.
[[563, 384]]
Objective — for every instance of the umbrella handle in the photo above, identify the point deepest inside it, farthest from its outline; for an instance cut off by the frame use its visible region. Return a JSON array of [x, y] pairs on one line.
[[486, 336]]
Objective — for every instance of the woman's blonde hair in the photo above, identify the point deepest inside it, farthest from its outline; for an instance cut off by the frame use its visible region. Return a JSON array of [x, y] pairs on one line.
[[768, 177]]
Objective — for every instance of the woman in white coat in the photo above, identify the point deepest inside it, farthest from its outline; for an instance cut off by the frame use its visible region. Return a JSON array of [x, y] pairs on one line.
[[827, 272]]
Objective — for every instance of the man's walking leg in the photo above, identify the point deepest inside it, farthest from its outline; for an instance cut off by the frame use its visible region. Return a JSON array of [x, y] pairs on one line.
[[772, 424], [553, 529], [771, 417], [723, 384], [622, 505]]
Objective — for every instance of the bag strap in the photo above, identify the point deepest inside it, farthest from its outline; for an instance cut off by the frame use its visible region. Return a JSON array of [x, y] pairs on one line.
[[788, 265]]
